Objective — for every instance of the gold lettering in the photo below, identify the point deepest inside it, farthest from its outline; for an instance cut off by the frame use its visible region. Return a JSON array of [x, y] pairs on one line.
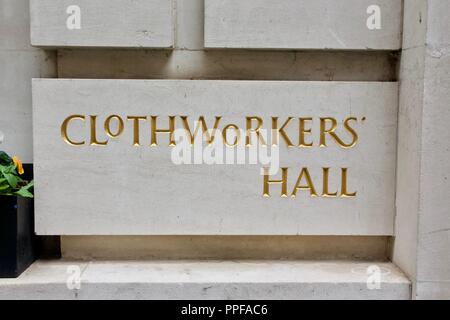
[[108, 126], [202, 122], [94, 141], [236, 138], [309, 186], [303, 131], [325, 192], [136, 134], [276, 131], [268, 182], [64, 126], [344, 192], [330, 131], [351, 131], [170, 131], [249, 130]]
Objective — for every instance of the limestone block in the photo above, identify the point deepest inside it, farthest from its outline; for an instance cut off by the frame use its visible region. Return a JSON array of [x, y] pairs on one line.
[[120, 188], [104, 23], [19, 62], [18, 67], [303, 24], [196, 279]]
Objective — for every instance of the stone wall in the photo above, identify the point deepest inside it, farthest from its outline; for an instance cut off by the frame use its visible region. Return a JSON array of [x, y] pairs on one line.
[[420, 245]]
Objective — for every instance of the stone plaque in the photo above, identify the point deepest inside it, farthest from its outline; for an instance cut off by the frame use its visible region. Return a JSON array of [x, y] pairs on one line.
[[303, 24], [102, 23], [169, 157]]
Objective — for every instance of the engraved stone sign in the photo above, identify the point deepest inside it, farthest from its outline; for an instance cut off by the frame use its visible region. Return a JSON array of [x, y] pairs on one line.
[[214, 157]]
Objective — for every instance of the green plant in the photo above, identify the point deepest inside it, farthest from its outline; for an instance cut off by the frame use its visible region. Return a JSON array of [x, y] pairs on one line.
[[11, 184]]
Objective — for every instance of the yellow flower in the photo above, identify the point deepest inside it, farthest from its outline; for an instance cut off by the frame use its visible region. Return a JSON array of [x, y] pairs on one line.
[[18, 164]]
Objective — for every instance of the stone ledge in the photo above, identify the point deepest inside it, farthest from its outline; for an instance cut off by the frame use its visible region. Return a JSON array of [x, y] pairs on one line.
[[206, 280]]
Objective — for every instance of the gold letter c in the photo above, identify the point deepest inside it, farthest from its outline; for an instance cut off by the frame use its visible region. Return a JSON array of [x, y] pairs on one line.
[[64, 126]]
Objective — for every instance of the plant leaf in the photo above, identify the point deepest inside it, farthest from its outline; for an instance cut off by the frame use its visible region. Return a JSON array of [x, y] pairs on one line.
[[12, 179], [10, 169], [29, 185], [24, 193], [4, 187], [5, 159]]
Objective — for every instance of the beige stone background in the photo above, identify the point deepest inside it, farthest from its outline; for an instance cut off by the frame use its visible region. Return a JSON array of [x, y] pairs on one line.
[[422, 243], [189, 60]]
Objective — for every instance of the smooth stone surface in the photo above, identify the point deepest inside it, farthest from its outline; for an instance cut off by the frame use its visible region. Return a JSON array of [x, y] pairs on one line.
[[227, 65], [205, 280], [14, 25], [422, 243], [433, 254], [19, 62], [122, 189], [18, 67], [301, 24], [190, 24], [104, 23], [357, 248], [408, 158]]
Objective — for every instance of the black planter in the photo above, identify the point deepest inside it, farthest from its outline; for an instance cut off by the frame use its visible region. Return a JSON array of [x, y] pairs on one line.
[[17, 238]]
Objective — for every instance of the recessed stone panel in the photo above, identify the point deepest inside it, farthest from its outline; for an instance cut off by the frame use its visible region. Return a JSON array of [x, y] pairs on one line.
[[303, 24], [106, 162], [102, 23]]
